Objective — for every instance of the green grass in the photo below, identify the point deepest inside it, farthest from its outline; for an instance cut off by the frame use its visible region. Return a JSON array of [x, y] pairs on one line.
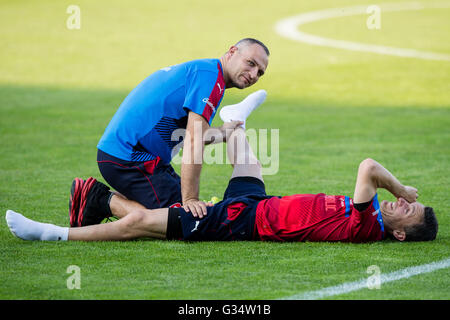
[[59, 89]]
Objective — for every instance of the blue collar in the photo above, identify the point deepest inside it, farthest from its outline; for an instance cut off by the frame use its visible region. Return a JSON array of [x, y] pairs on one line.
[[376, 206]]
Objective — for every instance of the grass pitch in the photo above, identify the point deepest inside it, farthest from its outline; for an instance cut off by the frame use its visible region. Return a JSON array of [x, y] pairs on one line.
[[333, 108]]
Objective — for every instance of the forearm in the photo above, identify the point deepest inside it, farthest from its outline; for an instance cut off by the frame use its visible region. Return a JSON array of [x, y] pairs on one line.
[[386, 180], [190, 181], [191, 168]]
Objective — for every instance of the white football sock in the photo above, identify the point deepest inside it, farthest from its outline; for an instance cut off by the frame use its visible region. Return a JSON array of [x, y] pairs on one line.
[[241, 110], [27, 229]]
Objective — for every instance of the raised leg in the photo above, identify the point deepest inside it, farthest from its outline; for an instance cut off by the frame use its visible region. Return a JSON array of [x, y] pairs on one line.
[[242, 158]]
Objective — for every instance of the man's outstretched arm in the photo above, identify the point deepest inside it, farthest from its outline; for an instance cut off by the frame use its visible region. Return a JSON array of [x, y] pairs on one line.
[[372, 175], [191, 165]]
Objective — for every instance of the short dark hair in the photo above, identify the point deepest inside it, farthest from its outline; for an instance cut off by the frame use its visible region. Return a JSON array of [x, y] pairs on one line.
[[248, 41], [425, 231]]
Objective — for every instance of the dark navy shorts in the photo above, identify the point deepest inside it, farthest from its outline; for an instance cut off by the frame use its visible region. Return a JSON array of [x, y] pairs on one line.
[[151, 183], [233, 218]]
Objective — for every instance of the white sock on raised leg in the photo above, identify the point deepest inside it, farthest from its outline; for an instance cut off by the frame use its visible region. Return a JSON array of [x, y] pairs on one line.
[[241, 110], [28, 229]]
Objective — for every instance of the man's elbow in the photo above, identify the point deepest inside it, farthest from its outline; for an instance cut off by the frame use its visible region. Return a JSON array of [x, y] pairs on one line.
[[368, 167]]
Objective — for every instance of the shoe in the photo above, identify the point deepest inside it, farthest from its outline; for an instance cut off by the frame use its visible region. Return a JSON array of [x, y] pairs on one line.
[[84, 204], [74, 201]]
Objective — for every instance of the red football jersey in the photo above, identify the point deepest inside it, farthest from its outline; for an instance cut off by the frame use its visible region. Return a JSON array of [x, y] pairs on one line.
[[318, 217]]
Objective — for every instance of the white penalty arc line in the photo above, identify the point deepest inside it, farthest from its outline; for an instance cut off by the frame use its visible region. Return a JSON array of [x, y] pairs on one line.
[[289, 28], [363, 283]]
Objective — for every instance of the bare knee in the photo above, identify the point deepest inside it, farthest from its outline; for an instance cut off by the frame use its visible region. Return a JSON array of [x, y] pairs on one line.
[[135, 218], [132, 223], [143, 223]]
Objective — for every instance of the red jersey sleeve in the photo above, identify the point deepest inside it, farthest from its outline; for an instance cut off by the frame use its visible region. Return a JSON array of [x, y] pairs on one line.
[[367, 225]]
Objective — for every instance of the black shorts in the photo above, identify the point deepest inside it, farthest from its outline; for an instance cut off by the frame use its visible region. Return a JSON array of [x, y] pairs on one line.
[[233, 218], [151, 183]]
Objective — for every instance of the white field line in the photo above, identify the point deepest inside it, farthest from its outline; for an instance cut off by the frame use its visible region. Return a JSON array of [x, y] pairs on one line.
[[289, 28], [361, 284]]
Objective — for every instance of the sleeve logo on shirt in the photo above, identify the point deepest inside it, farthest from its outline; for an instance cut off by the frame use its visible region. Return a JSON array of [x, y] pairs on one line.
[[209, 103], [214, 98], [220, 92]]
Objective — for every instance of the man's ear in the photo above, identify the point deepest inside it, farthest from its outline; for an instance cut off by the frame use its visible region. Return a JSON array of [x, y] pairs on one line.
[[400, 235], [232, 50]]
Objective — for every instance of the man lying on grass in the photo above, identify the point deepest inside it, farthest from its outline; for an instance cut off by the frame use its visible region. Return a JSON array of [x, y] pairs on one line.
[[247, 213]]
